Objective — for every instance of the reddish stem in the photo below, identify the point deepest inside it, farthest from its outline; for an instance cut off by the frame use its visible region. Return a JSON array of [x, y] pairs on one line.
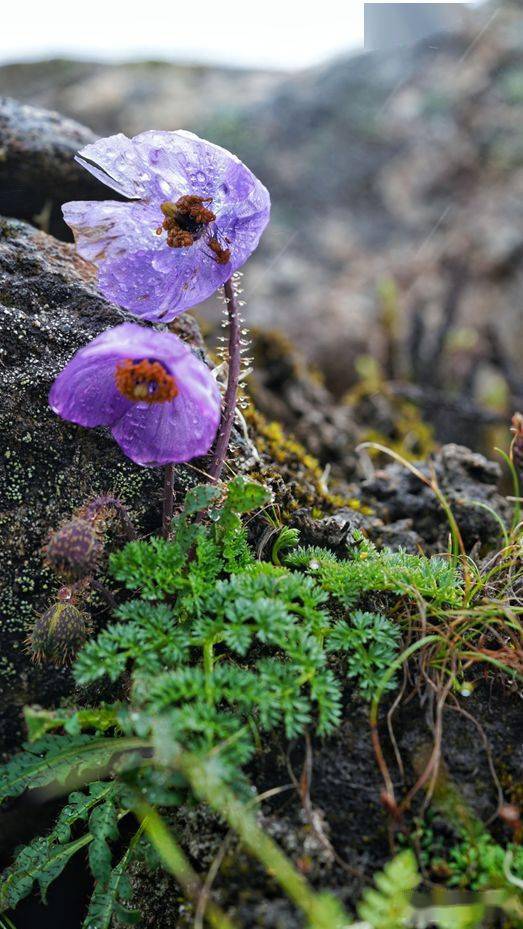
[[168, 500], [229, 404]]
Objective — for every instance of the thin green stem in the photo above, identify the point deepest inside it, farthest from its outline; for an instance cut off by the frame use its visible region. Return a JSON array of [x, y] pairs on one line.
[[496, 516], [174, 860], [323, 911], [515, 483], [478, 656], [208, 668]]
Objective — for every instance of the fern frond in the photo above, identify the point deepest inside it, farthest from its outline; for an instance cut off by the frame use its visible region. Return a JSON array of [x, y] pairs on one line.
[[41, 862], [54, 758], [103, 826], [388, 906], [44, 859]]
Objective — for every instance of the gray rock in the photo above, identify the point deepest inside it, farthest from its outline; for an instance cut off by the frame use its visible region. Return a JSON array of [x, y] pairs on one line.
[[37, 168], [466, 480]]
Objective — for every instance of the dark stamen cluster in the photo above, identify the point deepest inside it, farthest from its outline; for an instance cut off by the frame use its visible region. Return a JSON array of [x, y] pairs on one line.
[[185, 220], [145, 380], [221, 255]]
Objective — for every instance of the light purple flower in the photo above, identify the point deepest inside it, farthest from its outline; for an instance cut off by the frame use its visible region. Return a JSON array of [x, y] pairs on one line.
[[161, 403], [195, 214]]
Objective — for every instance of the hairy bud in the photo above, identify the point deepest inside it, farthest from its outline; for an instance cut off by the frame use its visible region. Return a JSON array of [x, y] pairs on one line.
[[74, 549], [517, 441], [58, 634], [106, 507]]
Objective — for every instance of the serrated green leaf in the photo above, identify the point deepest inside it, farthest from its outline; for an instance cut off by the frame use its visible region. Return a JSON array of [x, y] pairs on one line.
[[55, 758], [200, 498], [39, 862], [389, 906], [103, 825], [109, 898]]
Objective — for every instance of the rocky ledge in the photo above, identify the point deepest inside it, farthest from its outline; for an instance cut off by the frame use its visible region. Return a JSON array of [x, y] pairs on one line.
[[49, 307]]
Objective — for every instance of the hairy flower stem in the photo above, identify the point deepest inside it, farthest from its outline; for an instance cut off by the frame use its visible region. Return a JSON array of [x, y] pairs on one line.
[[229, 405], [168, 500]]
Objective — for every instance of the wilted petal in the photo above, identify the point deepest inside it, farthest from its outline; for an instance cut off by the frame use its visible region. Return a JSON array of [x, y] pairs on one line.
[[160, 285], [180, 163], [142, 272], [106, 229]]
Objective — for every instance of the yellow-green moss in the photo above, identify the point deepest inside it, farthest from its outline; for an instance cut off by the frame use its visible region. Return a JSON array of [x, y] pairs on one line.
[[298, 465]]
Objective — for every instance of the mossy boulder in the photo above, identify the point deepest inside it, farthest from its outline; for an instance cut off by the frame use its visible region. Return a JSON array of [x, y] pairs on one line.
[[49, 308]]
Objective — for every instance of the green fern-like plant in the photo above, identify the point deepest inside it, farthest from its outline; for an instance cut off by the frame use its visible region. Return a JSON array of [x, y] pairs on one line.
[[214, 648], [366, 569], [389, 904]]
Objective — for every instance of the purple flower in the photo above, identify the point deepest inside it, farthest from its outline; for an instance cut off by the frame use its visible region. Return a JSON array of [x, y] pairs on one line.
[[194, 215], [161, 403]]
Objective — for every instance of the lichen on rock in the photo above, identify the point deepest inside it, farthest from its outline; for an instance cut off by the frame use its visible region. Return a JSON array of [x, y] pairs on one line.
[[49, 308]]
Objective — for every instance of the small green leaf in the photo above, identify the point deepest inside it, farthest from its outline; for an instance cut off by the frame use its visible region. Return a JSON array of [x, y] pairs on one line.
[[200, 498], [42, 862], [103, 825], [244, 496], [389, 906]]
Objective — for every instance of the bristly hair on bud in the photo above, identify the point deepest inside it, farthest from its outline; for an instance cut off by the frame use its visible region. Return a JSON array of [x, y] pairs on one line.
[[74, 549], [104, 508], [516, 449], [58, 634]]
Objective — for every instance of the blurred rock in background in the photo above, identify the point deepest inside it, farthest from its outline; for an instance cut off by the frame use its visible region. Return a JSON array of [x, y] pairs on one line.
[[395, 253]]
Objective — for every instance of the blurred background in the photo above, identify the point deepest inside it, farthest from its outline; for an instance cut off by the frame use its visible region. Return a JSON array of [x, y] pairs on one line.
[[390, 137]]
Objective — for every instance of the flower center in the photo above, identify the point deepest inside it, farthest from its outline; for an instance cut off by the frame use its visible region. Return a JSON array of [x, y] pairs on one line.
[[185, 220], [145, 380]]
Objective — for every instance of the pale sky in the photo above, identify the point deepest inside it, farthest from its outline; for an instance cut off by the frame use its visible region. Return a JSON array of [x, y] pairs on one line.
[[256, 33]]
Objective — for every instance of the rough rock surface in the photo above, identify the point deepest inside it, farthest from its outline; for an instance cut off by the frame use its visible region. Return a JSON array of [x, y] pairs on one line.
[[465, 478], [37, 168], [396, 507], [49, 307]]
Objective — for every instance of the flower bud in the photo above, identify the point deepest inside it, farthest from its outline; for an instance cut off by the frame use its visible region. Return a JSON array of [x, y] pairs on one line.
[[517, 441], [74, 549], [106, 507], [58, 634]]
